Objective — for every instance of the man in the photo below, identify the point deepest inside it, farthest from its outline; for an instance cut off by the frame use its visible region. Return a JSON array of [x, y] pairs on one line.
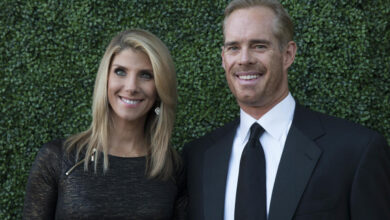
[[312, 166]]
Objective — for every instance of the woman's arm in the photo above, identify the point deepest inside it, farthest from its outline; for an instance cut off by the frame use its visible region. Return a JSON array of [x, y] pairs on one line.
[[42, 186], [181, 203]]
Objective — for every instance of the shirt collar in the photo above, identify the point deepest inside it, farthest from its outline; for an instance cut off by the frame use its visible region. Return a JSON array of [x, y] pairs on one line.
[[274, 122]]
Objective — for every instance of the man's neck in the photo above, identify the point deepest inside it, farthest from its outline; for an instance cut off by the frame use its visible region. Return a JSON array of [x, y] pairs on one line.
[[258, 111]]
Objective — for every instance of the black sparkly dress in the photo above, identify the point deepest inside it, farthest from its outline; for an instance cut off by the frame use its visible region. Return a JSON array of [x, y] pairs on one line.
[[123, 192]]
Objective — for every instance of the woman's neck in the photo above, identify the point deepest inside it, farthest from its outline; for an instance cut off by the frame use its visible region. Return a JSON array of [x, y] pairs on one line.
[[127, 139]]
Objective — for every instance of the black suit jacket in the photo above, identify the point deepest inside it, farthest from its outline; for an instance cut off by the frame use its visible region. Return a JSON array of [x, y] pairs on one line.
[[330, 169]]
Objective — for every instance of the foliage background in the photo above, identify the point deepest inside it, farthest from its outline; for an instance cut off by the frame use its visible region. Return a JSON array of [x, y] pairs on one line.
[[50, 51]]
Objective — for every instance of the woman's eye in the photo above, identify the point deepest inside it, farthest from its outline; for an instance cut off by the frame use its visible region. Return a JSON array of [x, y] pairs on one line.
[[146, 75], [120, 72]]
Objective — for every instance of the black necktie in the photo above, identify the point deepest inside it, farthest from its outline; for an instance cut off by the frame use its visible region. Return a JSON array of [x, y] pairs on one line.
[[251, 186]]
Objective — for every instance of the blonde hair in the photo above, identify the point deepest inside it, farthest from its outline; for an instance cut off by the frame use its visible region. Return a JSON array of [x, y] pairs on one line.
[[283, 28], [158, 129]]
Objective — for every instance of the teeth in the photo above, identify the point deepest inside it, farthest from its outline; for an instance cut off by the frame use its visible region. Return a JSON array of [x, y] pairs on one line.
[[131, 102], [247, 77]]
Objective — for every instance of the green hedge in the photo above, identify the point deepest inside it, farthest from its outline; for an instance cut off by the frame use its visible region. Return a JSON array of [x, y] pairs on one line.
[[50, 51]]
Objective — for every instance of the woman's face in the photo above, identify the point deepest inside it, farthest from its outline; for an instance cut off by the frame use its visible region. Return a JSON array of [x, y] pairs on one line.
[[131, 87]]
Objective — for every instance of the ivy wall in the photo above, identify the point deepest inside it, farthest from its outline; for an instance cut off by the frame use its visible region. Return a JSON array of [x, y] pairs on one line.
[[50, 51]]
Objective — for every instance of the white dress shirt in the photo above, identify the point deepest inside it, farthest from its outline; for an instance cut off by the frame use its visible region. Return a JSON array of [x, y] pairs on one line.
[[276, 123]]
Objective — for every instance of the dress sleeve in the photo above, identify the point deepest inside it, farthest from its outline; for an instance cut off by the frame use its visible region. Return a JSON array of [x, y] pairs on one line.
[[42, 185], [181, 203]]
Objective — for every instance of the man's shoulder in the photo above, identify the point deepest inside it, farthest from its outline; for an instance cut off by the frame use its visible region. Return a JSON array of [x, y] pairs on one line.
[[202, 143], [337, 122], [333, 125]]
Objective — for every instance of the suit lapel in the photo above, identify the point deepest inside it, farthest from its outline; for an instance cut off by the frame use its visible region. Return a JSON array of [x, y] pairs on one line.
[[298, 161], [216, 163]]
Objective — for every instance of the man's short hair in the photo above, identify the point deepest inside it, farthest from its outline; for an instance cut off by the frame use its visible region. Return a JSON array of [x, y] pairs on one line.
[[283, 27]]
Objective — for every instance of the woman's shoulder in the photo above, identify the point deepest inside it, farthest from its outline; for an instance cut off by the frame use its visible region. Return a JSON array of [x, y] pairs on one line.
[[48, 161], [55, 154], [52, 149]]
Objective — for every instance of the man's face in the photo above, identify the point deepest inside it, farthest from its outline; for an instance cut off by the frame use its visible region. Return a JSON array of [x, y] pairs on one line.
[[256, 68]]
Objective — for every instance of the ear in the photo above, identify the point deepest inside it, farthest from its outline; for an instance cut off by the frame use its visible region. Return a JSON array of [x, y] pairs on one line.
[[289, 54], [222, 57]]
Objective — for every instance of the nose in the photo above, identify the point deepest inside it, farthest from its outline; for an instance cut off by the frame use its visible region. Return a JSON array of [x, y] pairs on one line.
[[131, 84], [246, 57]]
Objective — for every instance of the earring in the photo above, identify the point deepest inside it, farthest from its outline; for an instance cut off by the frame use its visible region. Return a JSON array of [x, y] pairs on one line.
[[157, 110]]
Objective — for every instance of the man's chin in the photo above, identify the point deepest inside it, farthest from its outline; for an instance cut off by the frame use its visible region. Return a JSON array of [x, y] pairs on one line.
[[250, 103]]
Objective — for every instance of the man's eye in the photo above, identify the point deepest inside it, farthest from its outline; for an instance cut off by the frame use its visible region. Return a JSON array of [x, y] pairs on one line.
[[232, 48], [260, 46], [146, 75], [120, 72]]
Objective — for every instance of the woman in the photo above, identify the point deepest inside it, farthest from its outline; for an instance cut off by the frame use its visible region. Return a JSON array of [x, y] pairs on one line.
[[121, 167]]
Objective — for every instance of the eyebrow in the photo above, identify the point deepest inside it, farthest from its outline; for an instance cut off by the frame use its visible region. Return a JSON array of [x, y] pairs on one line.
[[254, 41], [123, 67], [230, 43], [260, 41], [117, 65]]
